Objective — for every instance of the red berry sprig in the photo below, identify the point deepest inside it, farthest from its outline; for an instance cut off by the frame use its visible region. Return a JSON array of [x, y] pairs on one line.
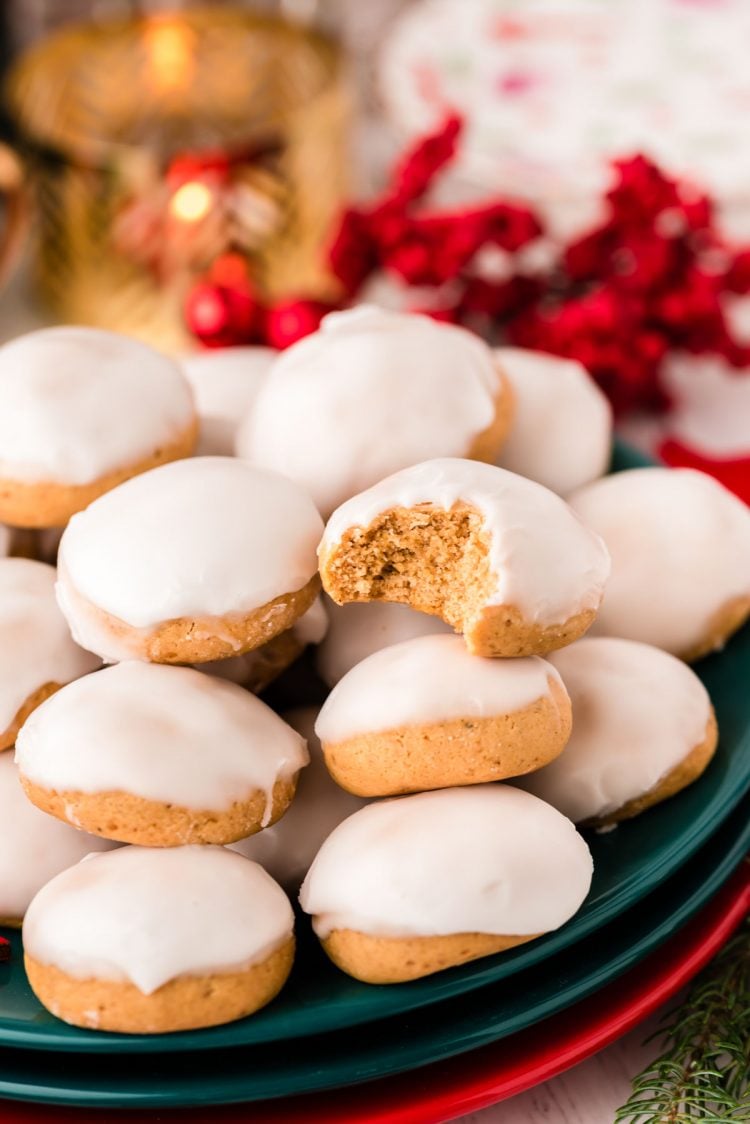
[[649, 279]]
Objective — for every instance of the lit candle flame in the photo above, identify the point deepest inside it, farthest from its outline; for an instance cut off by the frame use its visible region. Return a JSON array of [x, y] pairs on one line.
[[191, 202]]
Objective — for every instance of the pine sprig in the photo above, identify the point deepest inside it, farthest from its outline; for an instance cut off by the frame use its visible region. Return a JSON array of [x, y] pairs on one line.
[[704, 1070]]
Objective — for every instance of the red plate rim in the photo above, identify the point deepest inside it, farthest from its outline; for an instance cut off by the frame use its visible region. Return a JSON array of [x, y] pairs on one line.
[[488, 1075]]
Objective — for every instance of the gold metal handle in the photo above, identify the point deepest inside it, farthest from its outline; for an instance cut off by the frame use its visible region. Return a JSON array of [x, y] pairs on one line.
[[12, 188]]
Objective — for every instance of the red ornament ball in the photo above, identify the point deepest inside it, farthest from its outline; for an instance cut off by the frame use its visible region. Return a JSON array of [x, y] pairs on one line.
[[291, 320], [222, 316]]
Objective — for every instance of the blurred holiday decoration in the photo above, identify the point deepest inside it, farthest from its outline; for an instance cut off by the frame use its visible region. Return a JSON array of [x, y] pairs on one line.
[[553, 91], [15, 211], [159, 146], [654, 277]]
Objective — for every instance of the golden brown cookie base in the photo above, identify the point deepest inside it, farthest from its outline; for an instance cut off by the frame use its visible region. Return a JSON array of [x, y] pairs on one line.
[[489, 442], [203, 639], [683, 774], [387, 960], [503, 631], [11, 922], [8, 736], [455, 752], [186, 1003], [150, 823], [438, 562], [723, 625], [49, 504]]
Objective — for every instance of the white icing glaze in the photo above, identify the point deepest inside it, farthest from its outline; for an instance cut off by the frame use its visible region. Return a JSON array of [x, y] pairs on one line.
[[547, 563], [225, 382], [288, 847], [680, 547], [149, 915], [77, 403], [202, 537], [484, 859], [312, 626], [562, 424], [371, 392], [88, 628], [35, 644], [308, 629], [163, 733], [34, 847], [637, 713], [357, 630], [426, 680]]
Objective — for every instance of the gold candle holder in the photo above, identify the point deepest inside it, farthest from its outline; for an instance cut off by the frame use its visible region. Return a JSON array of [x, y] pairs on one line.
[[155, 144]]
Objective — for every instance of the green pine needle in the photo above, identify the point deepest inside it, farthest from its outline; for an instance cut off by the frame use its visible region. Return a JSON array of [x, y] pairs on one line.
[[704, 1071]]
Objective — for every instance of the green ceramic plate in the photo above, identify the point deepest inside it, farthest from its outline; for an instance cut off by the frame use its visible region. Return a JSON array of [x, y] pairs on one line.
[[396, 1045], [629, 863]]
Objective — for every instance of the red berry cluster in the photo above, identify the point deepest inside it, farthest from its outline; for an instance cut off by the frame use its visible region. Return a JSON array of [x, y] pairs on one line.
[[423, 248], [649, 279]]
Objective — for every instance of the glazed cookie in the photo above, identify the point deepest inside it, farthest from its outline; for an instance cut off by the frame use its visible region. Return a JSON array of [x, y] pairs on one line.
[[255, 670], [407, 887], [81, 410], [427, 714], [37, 652], [680, 547], [287, 849], [357, 630], [372, 392], [500, 558], [146, 941], [33, 847], [643, 728], [160, 756], [225, 382], [562, 426], [194, 561]]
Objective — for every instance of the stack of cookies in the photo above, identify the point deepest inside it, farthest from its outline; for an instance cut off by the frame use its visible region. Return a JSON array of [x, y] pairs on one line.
[[213, 561], [600, 728], [459, 586]]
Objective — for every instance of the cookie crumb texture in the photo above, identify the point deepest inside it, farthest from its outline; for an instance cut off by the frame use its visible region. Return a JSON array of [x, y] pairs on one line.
[[185, 1003], [149, 823], [387, 960], [461, 751], [437, 562]]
